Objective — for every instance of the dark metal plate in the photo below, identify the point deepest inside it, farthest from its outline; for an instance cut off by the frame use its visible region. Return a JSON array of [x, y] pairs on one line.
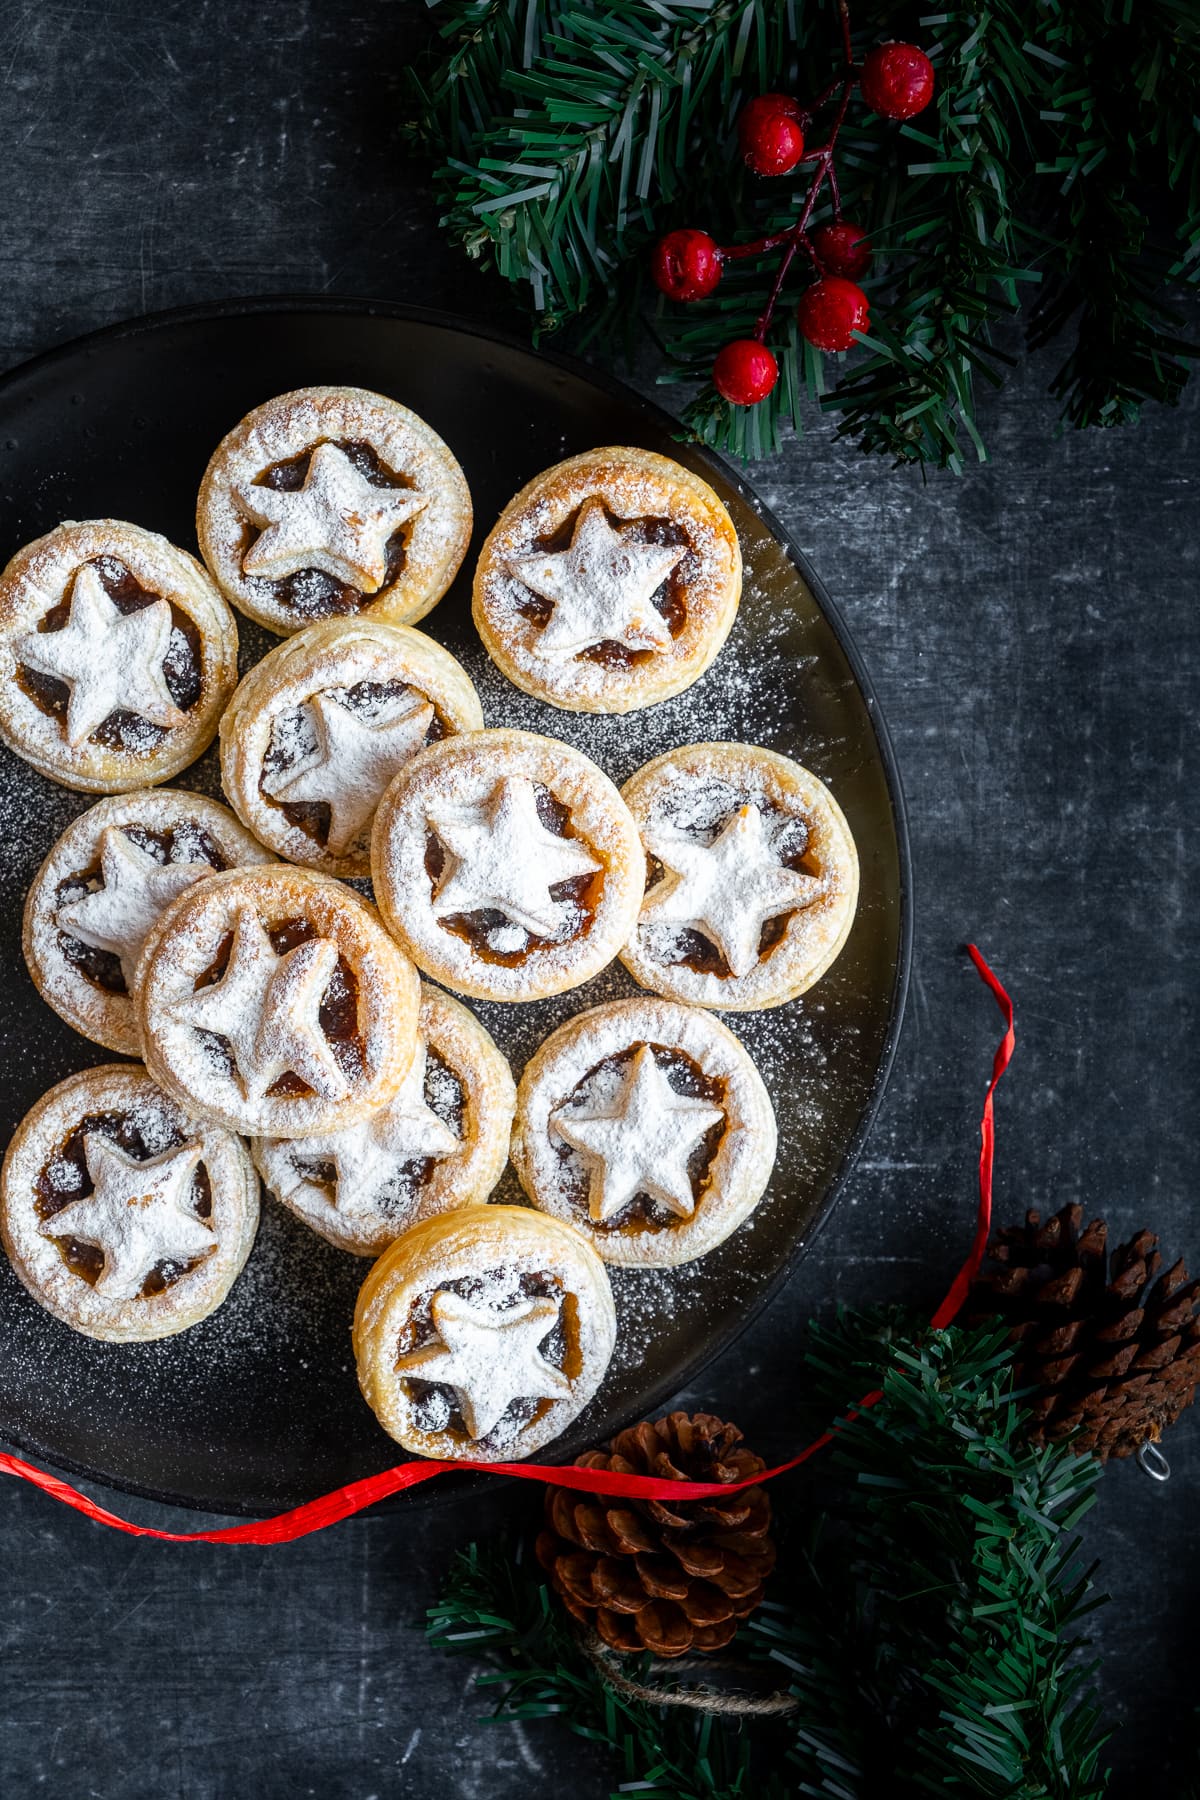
[[258, 1408]]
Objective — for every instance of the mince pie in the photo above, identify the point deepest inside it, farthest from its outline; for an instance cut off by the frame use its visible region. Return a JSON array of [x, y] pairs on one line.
[[609, 582], [753, 877], [440, 1142], [331, 502], [482, 1333], [104, 884], [117, 656], [125, 1216], [645, 1124], [506, 865], [318, 729], [274, 1000]]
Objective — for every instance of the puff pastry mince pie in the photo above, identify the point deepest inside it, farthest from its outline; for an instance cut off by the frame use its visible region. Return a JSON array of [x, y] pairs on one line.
[[101, 889], [333, 501], [645, 1124], [124, 1215], [319, 728], [274, 1000], [609, 582], [117, 656], [753, 877], [506, 865], [441, 1142], [483, 1333]]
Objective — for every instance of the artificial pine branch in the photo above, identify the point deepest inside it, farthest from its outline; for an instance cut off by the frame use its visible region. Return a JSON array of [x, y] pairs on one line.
[[947, 1602], [954, 268], [591, 126], [931, 1635], [1111, 259], [1065, 152], [494, 1607], [478, 42]]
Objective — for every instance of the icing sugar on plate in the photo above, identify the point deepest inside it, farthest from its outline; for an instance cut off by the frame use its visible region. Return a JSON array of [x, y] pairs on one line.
[[257, 1407]]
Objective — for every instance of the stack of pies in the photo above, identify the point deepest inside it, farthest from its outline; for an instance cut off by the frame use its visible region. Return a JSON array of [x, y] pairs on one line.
[[289, 1029]]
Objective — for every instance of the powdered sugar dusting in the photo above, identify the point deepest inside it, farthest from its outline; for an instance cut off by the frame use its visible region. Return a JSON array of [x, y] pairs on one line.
[[330, 717], [742, 838], [561, 1084], [337, 520], [645, 494], [149, 744], [441, 1143], [462, 780], [288, 426], [198, 1062], [289, 1307], [132, 1199], [503, 1276], [157, 842]]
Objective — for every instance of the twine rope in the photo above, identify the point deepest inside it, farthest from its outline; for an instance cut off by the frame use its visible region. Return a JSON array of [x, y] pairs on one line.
[[706, 1699]]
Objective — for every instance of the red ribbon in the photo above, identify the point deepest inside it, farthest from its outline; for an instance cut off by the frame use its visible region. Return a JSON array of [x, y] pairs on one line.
[[286, 1527]]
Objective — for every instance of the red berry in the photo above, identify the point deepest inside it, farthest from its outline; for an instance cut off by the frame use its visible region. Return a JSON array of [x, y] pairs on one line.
[[843, 248], [770, 134], [897, 80], [831, 311], [687, 265], [745, 372]]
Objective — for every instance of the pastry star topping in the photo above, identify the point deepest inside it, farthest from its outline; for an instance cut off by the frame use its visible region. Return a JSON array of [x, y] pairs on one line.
[[727, 890], [137, 1216], [368, 1156], [501, 858], [640, 1141], [338, 521], [489, 1357], [109, 660], [266, 1006], [353, 762], [117, 916], [600, 588]]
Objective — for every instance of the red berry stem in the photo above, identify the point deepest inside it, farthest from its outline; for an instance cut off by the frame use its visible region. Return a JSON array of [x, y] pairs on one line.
[[897, 82], [835, 192], [759, 246], [844, 22], [823, 98], [763, 323], [796, 237]]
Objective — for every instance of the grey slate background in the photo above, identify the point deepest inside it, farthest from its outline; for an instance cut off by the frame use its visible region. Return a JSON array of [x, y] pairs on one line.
[[1032, 634]]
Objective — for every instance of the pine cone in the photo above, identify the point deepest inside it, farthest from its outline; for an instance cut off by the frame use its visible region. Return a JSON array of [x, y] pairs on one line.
[[1111, 1357], [668, 1579]]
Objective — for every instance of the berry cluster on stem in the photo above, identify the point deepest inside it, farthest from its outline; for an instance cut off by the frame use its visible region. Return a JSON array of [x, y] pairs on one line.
[[896, 81]]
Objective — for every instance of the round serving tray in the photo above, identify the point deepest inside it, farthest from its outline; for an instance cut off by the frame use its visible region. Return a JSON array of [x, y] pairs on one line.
[[257, 1408]]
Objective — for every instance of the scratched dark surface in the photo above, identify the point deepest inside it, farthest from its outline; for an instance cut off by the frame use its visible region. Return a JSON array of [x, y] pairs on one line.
[[1032, 634]]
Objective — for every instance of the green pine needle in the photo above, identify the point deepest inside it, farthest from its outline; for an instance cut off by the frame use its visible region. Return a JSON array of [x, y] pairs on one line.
[[1058, 169], [494, 1608], [932, 1630]]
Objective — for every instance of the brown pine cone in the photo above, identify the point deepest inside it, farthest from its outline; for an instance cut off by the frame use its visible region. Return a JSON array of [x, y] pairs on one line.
[[1112, 1354], [648, 1576]]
